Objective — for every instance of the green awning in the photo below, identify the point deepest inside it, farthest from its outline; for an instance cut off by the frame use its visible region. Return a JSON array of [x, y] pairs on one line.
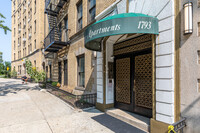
[[126, 23]]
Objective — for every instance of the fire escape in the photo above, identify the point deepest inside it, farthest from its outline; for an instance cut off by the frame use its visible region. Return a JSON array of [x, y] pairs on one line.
[[53, 41]]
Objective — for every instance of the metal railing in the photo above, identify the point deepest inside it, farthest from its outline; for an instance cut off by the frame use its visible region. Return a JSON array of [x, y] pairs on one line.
[[54, 35], [79, 99], [177, 126], [55, 5], [88, 98]]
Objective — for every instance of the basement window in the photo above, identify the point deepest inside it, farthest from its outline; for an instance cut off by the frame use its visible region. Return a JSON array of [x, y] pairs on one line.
[[198, 30], [198, 85], [198, 52]]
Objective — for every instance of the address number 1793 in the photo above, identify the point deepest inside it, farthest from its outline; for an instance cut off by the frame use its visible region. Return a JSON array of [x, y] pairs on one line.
[[144, 25]]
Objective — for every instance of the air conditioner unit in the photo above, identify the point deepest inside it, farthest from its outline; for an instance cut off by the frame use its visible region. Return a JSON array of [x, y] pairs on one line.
[[24, 39], [24, 7], [30, 35], [29, 3], [18, 44]]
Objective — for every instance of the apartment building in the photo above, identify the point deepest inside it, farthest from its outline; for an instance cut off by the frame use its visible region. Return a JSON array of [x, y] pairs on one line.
[[67, 60], [133, 53], [137, 61], [27, 34]]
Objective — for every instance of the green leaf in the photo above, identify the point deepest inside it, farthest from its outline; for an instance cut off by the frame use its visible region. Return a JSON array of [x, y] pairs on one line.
[[1, 15]]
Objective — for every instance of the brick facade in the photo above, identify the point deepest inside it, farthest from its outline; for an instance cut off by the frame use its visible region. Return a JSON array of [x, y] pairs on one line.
[[27, 33], [76, 47]]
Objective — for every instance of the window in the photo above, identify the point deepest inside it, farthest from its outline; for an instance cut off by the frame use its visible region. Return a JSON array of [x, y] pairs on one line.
[[65, 73], [35, 63], [14, 45], [24, 22], [30, 48], [30, 15], [81, 71], [198, 84], [14, 6], [198, 3], [50, 73], [92, 10], [14, 32], [18, 14], [20, 41], [66, 29], [14, 56], [35, 44], [198, 52], [35, 26], [35, 6], [80, 15], [66, 23], [198, 28], [20, 71], [30, 32], [25, 51], [24, 6], [14, 19]]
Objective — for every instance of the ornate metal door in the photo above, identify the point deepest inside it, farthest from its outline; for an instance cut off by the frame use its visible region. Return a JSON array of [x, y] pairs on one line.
[[143, 84], [123, 92], [133, 75]]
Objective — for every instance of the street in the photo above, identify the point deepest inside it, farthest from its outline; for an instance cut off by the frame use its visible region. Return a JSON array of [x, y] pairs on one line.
[[25, 108]]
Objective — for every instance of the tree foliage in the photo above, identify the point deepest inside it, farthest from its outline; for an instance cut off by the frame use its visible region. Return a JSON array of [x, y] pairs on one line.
[[3, 68], [13, 73], [2, 26], [38, 76]]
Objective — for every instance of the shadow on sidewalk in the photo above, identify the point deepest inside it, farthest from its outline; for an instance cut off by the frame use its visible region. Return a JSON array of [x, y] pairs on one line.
[[13, 87], [116, 125]]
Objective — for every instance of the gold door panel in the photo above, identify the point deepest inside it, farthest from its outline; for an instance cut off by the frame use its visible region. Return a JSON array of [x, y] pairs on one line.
[[123, 80], [143, 81]]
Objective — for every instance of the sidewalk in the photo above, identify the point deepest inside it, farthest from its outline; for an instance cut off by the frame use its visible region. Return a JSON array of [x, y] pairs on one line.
[[27, 109]]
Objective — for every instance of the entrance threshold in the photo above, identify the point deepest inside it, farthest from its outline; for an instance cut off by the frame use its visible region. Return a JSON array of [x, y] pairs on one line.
[[135, 120]]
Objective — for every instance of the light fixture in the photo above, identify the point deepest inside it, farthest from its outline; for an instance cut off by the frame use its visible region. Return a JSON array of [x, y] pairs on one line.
[[188, 18]]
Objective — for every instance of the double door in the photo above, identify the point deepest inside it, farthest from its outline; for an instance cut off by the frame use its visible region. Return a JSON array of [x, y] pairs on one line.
[[133, 82]]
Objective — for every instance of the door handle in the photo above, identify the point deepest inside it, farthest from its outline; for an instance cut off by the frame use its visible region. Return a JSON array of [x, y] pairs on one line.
[[134, 85]]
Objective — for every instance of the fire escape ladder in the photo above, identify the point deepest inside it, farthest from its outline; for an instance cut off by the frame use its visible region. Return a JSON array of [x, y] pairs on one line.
[[53, 41]]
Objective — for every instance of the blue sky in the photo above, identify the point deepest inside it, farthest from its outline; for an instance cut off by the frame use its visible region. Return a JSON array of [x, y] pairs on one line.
[[5, 40]]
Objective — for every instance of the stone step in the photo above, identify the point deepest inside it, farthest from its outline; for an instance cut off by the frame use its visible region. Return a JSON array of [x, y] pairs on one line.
[[135, 120]]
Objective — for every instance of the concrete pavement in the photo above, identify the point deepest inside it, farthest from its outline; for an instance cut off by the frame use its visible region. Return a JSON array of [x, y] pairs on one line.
[[24, 108]]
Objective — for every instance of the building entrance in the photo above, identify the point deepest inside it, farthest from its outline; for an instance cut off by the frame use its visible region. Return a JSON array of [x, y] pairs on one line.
[[133, 75]]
